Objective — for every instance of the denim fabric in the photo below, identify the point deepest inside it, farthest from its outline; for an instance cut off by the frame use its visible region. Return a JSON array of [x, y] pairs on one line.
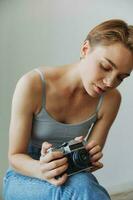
[[81, 186]]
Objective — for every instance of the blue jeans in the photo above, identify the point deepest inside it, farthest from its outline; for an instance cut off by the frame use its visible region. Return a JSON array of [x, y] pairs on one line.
[[81, 186]]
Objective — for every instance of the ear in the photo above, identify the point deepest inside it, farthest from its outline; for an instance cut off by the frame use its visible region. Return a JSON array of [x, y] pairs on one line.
[[85, 49]]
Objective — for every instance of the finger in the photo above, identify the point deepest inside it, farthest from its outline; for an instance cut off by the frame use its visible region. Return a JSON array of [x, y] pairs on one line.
[[45, 147], [91, 145], [93, 169], [53, 164], [60, 180], [56, 172], [96, 157], [96, 166], [80, 138], [51, 156], [95, 150]]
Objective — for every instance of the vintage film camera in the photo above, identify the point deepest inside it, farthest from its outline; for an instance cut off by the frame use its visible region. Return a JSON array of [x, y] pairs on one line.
[[77, 155]]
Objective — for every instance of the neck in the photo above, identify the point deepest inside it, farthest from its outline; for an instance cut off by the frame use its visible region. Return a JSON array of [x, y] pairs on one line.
[[70, 82]]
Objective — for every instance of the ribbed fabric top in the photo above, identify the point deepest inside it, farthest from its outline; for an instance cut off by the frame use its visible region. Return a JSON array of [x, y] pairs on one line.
[[46, 128]]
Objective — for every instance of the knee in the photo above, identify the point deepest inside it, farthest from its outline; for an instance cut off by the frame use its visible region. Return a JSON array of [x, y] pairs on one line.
[[81, 180], [87, 184]]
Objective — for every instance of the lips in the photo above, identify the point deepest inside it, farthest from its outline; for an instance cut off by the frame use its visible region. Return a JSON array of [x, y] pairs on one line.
[[99, 90]]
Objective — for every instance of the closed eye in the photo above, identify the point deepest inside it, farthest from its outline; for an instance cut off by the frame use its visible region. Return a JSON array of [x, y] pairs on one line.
[[107, 69]]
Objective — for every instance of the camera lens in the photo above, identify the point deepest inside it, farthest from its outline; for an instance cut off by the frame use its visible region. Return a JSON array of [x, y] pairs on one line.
[[81, 158]]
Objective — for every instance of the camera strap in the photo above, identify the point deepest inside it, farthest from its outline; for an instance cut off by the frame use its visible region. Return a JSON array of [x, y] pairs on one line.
[[89, 131]]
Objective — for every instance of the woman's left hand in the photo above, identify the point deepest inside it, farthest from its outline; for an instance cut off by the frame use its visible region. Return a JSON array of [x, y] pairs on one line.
[[95, 152]]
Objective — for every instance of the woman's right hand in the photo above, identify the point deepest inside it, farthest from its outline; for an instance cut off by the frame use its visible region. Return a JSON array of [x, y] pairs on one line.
[[52, 164]]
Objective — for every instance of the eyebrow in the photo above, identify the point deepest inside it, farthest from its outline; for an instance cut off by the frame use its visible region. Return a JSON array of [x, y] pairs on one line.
[[114, 65]]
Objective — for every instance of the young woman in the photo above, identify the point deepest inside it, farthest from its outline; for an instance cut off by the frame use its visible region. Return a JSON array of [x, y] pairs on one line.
[[55, 105]]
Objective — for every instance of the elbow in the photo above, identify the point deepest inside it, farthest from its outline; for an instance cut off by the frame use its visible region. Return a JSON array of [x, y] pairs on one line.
[[11, 159]]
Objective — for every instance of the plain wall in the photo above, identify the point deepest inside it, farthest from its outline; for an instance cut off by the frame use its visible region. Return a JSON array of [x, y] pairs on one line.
[[36, 32]]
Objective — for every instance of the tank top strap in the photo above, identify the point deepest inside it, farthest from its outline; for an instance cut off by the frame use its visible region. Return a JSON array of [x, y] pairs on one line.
[[43, 86], [99, 103]]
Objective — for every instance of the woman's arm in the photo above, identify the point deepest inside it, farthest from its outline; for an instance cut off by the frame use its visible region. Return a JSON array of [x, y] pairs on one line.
[[23, 107], [107, 115]]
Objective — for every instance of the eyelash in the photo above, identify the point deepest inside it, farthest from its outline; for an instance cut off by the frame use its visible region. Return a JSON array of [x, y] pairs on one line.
[[107, 70]]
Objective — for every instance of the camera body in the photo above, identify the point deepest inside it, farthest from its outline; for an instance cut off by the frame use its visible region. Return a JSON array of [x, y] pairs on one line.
[[78, 157]]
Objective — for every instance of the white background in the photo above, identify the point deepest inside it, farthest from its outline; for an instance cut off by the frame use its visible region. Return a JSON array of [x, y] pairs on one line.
[[36, 32]]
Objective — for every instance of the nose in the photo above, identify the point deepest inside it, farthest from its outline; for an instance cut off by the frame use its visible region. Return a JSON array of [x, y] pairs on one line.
[[109, 82]]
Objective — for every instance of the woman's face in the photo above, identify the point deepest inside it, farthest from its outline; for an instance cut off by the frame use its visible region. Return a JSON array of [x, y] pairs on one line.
[[105, 67]]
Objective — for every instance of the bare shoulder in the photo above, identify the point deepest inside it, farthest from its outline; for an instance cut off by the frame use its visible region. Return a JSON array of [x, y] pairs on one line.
[[27, 90], [31, 79], [111, 104], [113, 97], [28, 82], [29, 87]]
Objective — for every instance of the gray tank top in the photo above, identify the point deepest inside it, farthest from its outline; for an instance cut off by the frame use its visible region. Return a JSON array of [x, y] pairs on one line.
[[46, 128]]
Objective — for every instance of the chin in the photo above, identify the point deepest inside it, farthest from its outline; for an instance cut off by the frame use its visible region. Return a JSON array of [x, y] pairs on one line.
[[92, 93]]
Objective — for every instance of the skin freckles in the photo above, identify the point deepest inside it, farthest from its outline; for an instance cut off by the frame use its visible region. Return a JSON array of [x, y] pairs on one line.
[[104, 67]]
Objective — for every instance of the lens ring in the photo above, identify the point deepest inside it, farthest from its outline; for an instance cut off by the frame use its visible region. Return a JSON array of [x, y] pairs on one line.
[[81, 158]]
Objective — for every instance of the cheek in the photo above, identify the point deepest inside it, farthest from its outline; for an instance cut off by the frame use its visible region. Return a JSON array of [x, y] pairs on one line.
[[93, 73], [89, 77], [90, 71]]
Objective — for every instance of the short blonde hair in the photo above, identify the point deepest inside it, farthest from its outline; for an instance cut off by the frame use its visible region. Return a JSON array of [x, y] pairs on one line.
[[110, 32]]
